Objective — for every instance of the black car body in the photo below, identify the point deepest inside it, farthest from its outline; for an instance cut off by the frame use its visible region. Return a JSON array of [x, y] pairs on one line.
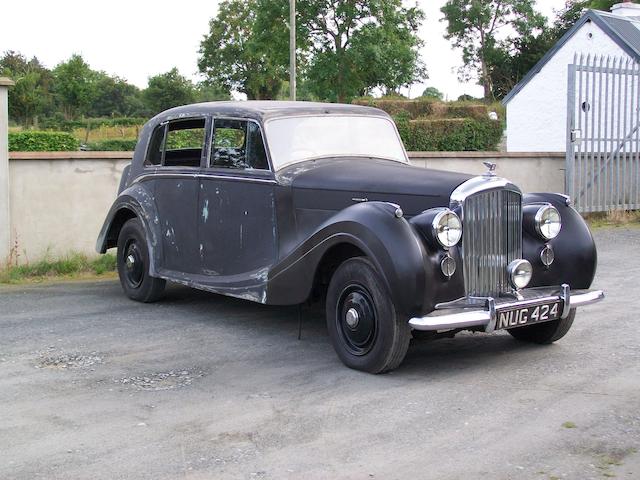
[[210, 203]]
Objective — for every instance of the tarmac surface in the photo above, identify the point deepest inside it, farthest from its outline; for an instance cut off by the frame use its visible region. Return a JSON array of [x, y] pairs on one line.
[[199, 386]]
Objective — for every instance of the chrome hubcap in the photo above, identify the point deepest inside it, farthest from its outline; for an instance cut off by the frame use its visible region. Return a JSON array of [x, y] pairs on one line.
[[352, 318], [130, 261]]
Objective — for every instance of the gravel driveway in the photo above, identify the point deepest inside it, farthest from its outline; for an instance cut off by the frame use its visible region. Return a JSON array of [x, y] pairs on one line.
[[198, 386]]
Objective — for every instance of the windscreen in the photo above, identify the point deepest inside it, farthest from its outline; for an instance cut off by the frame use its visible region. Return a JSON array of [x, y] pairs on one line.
[[296, 139]]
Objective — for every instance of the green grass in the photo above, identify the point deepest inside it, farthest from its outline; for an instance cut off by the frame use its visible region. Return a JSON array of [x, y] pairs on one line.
[[71, 265], [614, 219]]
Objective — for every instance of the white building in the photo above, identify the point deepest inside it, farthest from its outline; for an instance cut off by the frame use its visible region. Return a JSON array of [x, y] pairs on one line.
[[537, 106]]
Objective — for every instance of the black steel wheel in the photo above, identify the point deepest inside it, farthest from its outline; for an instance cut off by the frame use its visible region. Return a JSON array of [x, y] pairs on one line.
[[133, 264], [544, 333], [366, 331]]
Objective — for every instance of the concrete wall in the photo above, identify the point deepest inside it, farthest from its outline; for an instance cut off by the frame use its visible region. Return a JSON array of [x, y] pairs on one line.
[[532, 172], [58, 200], [537, 115]]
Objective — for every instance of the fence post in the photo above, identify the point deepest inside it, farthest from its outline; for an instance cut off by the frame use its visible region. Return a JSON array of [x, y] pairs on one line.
[[5, 225]]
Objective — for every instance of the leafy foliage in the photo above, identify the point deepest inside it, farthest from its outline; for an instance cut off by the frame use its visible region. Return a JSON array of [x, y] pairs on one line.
[[473, 26], [168, 90], [243, 50], [356, 46], [31, 94], [57, 123], [449, 134], [113, 145], [433, 92], [500, 63], [346, 48], [35, 141]]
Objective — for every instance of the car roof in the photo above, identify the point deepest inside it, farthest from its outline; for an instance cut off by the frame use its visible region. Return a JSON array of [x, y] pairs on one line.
[[262, 110]]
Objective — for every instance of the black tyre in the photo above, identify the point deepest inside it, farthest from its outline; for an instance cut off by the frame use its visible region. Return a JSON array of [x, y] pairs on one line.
[[366, 331], [544, 333], [133, 264]]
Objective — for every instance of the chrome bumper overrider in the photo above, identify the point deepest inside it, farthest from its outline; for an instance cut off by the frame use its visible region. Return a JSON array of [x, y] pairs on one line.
[[483, 311]]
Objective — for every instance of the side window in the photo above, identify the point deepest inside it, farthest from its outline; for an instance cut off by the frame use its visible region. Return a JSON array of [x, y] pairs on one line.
[[238, 144], [184, 143]]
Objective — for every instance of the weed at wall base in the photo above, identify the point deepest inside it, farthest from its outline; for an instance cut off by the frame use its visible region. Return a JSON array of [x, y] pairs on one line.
[[67, 266]]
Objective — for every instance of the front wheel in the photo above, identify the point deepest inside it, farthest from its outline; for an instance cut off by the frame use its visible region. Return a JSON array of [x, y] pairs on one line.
[[366, 331], [133, 264], [544, 333]]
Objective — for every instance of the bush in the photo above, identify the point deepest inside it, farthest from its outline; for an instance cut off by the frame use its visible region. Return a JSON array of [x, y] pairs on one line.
[[58, 123], [422, 107], [426, 107], [35, 141], [113, 145], [449, 134]]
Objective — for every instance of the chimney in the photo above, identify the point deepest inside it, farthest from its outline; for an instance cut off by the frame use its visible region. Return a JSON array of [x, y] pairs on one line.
[[626, 9]]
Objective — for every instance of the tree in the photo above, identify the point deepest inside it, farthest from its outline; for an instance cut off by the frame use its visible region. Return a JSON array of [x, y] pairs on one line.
[[358, 45], [473, 26], [74, 86], [433, 92], [207, 92], [239, 54], [31, 95], [345, 47], [513, 61], [168, 90], [114, 96]]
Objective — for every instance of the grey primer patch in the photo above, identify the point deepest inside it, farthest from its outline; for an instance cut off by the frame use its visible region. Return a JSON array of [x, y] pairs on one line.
[[61, 360], [163, 380], [205, 211]]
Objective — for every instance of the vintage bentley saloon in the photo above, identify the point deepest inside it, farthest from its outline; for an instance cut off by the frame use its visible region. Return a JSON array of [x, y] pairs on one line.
[[288, 202]]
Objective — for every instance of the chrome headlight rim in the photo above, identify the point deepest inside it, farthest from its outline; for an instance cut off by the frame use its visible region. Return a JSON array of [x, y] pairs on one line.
[[515, 269], [437, 231], [540, 223]]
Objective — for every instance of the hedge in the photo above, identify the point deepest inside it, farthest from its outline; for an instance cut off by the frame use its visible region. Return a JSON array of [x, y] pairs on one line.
[[426, 107], [449, 134], [113, 145], [35, 141], [91, 123]]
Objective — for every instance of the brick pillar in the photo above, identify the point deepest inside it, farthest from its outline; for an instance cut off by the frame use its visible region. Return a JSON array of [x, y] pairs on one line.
[[5, 225]]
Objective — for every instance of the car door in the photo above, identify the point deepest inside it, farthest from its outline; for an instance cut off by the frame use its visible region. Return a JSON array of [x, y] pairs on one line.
[[176, 192], [236, 205]]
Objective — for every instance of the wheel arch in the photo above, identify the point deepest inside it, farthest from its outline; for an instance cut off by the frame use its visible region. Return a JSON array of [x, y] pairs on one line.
[[134, 202], [371, 229], [332, 258]]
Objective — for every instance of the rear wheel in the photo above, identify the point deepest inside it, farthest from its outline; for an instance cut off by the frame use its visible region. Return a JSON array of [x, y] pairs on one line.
[[544, 333], [133, 264], [366, 331]]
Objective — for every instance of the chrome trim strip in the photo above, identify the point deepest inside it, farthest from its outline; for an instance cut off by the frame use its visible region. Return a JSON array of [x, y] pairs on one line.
[[487, 316], [166, 174]]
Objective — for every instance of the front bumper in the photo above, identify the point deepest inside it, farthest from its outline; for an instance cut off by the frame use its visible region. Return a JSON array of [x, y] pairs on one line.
[[474, 312]]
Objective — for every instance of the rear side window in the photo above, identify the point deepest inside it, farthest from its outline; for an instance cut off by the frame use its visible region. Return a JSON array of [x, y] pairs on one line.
[[238, 144], [178, 144]]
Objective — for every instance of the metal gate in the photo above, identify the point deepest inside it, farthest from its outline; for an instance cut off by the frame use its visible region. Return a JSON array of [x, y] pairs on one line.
[[603, 134]]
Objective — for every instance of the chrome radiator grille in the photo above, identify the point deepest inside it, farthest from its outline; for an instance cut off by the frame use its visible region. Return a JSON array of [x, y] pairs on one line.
[[492, 238]]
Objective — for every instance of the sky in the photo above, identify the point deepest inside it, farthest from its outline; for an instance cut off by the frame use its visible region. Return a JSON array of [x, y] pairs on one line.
[[138, 39]]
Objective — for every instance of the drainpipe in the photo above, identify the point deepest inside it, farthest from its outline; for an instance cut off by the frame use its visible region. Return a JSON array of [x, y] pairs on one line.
[[5, 225]]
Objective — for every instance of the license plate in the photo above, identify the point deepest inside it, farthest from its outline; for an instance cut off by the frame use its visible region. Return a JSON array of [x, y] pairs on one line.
[[520, 316]]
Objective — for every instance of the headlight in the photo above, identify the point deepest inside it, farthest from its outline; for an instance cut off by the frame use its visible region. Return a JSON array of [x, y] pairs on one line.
[[520, 272], [447, 228], [547, 221]]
